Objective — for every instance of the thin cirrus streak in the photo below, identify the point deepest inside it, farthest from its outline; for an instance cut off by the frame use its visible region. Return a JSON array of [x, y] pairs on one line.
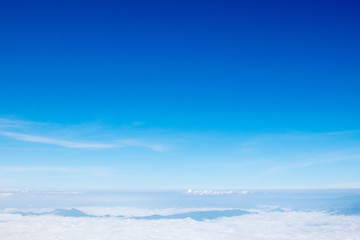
[[83, 145], [53, 141], [320, 160], [269, 138]]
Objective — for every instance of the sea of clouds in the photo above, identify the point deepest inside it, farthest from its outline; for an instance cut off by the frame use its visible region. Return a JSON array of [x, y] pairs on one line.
[[275, 225], [191, 214]]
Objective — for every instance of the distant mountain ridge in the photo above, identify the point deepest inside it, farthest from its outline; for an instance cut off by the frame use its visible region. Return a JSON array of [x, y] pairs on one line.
[[73, 212], [195, 215]]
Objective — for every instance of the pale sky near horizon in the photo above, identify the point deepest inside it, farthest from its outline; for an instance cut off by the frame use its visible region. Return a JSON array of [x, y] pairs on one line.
[[90, 156]]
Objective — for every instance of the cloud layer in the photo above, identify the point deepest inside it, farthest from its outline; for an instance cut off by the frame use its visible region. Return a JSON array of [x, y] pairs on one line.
[[274, 225]]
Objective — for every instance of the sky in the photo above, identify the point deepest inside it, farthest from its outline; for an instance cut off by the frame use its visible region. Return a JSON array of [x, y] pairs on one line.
[[179, 94]]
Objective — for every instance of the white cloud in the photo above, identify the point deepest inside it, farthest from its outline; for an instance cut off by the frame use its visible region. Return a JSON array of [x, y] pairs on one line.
[[270, 226], [212, 192]]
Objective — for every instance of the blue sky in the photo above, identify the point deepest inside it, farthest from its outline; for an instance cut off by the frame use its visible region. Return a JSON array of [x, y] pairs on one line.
[[179, 94]]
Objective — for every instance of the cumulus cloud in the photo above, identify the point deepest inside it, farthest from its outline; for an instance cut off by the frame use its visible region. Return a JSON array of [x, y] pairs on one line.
[[271, 226]]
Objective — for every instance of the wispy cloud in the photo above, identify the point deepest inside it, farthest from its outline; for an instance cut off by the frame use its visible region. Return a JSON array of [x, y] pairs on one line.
[[84, 145], [137, 143], [53, 141], [321, 159], [295, 141], [13, 123], [315, 162], [38, 132], [295, 135]]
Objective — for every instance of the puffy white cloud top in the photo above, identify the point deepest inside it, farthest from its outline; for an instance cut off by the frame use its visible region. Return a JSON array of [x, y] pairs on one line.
[[212, 192], [265, 225]]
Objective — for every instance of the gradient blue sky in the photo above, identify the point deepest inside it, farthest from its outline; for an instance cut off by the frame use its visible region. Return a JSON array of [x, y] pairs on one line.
[[179, 94]]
